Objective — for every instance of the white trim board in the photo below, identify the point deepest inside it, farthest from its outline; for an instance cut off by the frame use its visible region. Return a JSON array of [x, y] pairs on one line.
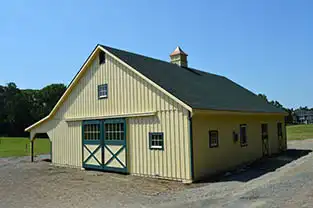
[[128, 115]]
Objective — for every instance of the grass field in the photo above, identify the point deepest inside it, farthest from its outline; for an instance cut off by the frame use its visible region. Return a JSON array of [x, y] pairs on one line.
[[300, 132], [18, 146], [10, 146]]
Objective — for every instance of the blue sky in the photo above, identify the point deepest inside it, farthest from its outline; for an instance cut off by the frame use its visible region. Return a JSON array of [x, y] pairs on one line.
[[265, 46]]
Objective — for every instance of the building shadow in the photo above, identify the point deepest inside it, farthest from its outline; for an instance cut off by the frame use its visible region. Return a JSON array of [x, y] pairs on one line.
[[258, 168], [46, 160]]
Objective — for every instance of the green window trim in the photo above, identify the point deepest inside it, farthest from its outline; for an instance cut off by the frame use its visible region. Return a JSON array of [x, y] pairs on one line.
[[213, 139], [102, 91], [92, 131], [156, 141], [102, 145]]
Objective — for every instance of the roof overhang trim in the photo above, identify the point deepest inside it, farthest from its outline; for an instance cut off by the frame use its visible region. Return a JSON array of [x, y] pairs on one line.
[[228, 112]]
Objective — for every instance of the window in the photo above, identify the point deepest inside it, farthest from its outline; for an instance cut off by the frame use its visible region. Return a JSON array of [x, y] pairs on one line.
[[213, 139], [101, 57], [114, 131], [280, 129], [92, 131], [264, 131], [156, 141], [103, 91], [243, 135]]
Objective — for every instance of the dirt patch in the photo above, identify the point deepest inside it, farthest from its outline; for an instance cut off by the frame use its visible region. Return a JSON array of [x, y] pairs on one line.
[[41, 184], [284, 180]]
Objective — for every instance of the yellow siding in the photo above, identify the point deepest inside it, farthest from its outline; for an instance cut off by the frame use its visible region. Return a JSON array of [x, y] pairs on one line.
[[173, 162], [67, 144], [128, 93], [208, 161]]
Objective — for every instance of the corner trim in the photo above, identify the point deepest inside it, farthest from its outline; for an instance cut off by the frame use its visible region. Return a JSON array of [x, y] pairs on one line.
[[191, 146]]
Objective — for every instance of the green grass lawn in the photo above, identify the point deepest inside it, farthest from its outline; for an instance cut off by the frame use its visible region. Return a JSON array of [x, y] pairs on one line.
[[300, 132], [18, 146]]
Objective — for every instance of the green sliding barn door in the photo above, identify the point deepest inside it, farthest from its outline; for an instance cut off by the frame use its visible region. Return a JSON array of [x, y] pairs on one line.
[[115, 145], [104, 145], [92, 144]]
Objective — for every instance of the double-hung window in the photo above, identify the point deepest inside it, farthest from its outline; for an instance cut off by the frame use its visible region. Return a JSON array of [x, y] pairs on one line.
[[213, 139], [102, 91], [156, 141]]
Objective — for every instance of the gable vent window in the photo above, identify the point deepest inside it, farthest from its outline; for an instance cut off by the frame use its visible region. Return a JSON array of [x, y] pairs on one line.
[[102, 91], [101, 57], [156, 141]]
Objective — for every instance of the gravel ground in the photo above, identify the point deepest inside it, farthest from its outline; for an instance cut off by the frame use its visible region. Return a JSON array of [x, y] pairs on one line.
[[282, 181]]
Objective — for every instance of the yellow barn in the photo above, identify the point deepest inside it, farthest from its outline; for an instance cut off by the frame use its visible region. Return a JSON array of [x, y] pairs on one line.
[[133, 114]]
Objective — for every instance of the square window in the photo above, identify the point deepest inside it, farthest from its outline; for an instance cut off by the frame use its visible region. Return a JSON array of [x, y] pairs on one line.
[[213, 139], [156, 141], [243, 135], [102, 91]]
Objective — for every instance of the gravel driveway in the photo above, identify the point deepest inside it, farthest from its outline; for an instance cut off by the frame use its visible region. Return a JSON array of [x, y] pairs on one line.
[[282, 181]]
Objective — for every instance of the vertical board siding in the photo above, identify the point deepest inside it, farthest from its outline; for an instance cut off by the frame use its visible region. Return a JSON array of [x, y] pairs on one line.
[[229, 154], [67, 144], [127, 93], [173, 162]]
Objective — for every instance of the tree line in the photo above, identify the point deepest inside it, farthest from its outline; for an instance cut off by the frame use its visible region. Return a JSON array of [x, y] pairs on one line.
[[20, 108], [290, 118]]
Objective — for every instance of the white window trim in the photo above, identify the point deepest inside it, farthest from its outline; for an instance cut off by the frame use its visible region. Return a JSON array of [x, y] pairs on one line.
[[156, 147], [103, 96]]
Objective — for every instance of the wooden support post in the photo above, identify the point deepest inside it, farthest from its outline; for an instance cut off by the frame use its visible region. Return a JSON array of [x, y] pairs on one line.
[[32, 150]]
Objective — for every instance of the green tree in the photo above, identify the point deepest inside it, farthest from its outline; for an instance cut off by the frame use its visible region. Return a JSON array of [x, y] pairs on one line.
[[21, 108], [263, 96]]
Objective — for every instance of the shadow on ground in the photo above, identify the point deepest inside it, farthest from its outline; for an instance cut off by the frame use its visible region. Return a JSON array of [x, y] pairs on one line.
[[258, 168]]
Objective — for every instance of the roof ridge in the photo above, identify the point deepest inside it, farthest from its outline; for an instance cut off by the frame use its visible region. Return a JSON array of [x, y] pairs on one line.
[[137, 54], [187, 68]]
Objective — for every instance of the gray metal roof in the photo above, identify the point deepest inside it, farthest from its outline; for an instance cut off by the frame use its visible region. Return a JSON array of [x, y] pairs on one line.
[[198, 89]]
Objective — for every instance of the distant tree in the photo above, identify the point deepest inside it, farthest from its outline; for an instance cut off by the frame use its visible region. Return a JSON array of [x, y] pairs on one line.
[[263, 96], [304, 108], [273, 102], [46, 98], [277, 104], [20, 108], [289, 119]]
